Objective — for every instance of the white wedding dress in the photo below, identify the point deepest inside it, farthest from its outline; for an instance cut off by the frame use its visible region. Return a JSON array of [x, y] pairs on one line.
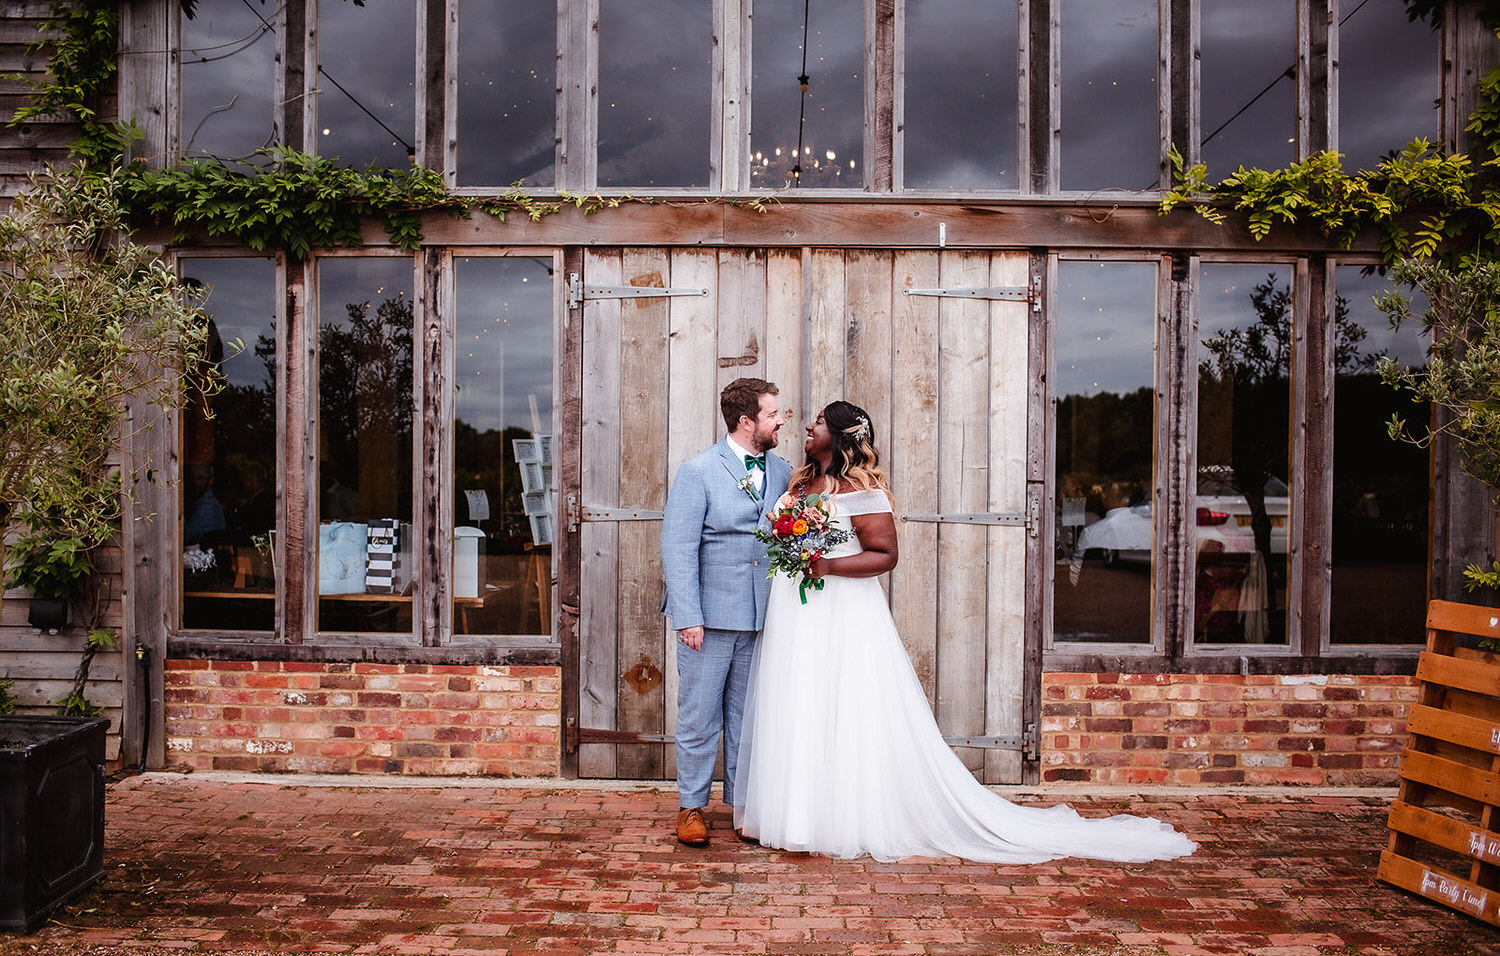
[[840, 754]]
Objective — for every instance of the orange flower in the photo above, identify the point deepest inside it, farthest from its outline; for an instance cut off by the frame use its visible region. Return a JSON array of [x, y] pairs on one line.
[[799, 526]]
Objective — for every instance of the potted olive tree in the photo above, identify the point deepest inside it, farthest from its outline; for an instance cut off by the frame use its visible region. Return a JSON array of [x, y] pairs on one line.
[[91, 320]]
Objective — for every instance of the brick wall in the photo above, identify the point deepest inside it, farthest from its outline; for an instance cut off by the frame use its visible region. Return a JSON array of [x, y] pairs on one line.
[[363, 718], [1224, 728]]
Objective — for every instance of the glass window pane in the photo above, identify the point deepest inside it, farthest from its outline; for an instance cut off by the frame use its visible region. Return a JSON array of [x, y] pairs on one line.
[[654, 90], [228, 490], [1105, 377], [1244, 449], [1249, 85], [502, 447], [366, 82], [507, 111], [228, 70], [961, 74], [1109, 94], [1388, 81], [366, 555], [1380, 488], [831, 112]]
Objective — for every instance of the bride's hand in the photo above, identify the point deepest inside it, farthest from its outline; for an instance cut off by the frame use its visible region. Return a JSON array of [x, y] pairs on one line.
[[818, 568]]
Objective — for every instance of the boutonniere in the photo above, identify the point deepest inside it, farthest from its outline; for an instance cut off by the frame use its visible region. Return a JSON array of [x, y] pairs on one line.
[[747, 484]]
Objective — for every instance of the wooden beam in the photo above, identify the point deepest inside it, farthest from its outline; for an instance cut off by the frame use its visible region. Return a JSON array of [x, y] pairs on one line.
[[1039, 548], [298, 498], [432, 524], [1310, 536], [1174, 570], [291, 96], [1041, 28], [144, 64], [569, 477], [432, 83], [880, 96]]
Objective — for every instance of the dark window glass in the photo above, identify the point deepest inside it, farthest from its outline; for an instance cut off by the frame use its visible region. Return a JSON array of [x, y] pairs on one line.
[[960, 112], [1109, 100], [1380, 488], [1244, 447], [366, 82], [507, 58], [366, 555], [1105, 376], [1388, 81], [228, 70], [228, 490], [654, 91], [827, 151], [502, 447], [1249, 103]]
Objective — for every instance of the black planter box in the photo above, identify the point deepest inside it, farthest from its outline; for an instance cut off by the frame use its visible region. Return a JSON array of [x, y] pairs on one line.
[[51, 814]]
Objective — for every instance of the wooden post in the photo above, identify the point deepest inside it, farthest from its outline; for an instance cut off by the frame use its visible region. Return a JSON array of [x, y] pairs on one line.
[[569, 477]]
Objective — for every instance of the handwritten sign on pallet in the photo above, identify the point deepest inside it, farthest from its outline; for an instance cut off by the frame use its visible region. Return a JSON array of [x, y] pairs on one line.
[[1444, 827]]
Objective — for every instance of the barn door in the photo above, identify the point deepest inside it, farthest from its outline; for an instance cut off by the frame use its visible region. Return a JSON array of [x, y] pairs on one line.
[[933, 344]]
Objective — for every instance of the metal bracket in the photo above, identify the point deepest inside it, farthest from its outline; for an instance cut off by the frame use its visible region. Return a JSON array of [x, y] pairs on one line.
[[1028, 743], [987, 517], [1015, 293], [577, 298], [596, 513]]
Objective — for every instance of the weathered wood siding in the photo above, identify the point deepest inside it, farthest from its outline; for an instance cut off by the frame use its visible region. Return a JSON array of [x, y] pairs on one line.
[[946, 383]]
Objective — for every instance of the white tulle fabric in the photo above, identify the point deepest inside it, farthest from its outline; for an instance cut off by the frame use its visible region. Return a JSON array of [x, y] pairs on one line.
[[840, 754]]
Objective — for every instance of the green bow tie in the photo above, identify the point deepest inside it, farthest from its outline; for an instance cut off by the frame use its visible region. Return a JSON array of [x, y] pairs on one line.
[[753, 462]]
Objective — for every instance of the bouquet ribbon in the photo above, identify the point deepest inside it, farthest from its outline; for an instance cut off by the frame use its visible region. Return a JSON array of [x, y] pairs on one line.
[[815, 583]]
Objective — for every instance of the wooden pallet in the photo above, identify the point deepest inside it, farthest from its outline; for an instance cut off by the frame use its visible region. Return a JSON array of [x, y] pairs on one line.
[[1445, 824]]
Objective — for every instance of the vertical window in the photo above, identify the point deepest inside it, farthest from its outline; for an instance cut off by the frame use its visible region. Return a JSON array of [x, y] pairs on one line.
[[1388, 81], [654, 90], [1249, 103], [1109, 101], [1380, 487], [366, 83], [961, 126], [228, 62], [507, 60], [1105, 425], [228, 489], [366, 554], [811, 136], [502, 446], [1244, 449]]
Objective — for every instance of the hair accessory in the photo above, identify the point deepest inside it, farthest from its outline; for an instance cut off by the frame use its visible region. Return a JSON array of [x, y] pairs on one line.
[[862, 430]]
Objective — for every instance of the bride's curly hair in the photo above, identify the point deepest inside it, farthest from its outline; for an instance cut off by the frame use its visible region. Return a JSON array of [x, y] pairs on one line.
[[855, 459]]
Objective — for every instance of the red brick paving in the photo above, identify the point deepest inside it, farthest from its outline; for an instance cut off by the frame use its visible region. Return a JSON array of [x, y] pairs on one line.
[[213, 865]]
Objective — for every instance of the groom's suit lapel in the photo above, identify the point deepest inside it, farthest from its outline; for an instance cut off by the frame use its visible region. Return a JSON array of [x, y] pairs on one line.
[[734, 471]]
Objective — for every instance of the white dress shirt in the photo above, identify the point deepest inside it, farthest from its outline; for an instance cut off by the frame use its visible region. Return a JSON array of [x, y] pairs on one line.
[[757, 475]]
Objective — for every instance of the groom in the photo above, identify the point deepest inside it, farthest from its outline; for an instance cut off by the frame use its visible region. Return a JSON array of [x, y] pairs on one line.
[[715, 571]]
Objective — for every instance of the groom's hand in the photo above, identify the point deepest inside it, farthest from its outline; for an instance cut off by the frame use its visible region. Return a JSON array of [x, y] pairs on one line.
[[691, 637]]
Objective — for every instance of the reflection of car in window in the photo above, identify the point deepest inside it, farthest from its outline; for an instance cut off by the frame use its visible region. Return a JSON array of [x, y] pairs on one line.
[[1223, 519]]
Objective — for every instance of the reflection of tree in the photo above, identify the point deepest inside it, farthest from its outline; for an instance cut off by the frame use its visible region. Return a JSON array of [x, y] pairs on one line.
[[1244, 394], [486, 459], [1104, 445], [365, 388]]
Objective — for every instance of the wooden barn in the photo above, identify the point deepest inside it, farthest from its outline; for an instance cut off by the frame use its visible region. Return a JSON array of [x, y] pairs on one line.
[[1151, 527]]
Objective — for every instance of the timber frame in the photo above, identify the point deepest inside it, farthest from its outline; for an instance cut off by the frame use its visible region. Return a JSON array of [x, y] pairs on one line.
[[1040, 218]]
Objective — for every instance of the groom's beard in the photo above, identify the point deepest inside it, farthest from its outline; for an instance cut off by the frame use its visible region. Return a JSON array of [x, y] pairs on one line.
[[764, 443]]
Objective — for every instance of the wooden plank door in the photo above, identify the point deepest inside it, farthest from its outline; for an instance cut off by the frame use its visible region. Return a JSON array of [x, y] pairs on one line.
[[945, 383]]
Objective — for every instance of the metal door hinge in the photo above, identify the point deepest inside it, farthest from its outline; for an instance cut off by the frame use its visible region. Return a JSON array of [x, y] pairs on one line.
[[578, 294], [1008, 293], [577, 514], [1009, 519]]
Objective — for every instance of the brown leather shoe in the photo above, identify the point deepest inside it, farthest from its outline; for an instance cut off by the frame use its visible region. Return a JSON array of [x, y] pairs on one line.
[[691, 827], [745, 839]]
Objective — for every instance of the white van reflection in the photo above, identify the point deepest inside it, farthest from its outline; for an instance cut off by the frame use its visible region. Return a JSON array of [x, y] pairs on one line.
[[1223, 518]]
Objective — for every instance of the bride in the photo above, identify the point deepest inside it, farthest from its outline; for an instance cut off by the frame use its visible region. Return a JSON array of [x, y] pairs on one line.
[[839, 747]]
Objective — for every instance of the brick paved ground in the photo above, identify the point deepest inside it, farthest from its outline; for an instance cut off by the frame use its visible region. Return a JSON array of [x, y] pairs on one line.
[[214, 864]]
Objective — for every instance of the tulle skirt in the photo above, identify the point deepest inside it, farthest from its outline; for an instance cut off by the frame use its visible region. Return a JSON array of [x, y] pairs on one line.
[[840, 754]]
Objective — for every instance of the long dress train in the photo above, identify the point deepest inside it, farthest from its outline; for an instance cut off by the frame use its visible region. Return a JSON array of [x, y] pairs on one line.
[[840, 754]]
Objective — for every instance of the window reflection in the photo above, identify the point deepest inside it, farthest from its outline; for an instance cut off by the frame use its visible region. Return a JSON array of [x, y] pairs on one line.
[[1380, 488], [654, 90], [1105, 375], [228, 490], [961, 73], [366, 555], [1244, 446], [1249, 103], [1388, 81], [366, 82], [228, 68], [502, 446], [1109, 94], [813, 137], [507, 58]]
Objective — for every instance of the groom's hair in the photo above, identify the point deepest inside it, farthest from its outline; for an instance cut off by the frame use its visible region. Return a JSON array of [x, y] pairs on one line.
[[742, 397]]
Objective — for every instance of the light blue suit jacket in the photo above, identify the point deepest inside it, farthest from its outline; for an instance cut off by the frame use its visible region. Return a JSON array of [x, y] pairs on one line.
[[714, 567]]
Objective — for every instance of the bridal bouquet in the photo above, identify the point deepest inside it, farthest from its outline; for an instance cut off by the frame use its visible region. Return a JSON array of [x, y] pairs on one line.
[[800, 532]]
